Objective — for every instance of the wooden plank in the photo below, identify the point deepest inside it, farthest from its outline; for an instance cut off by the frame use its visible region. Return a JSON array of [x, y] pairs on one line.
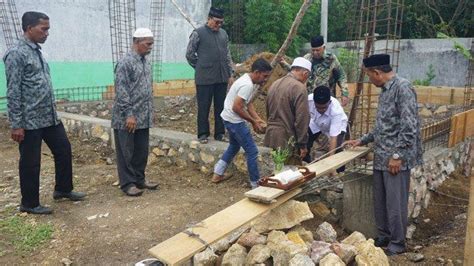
[[469, 243], [323, 167], [470, 124], [452, 132], [264, 194], [181, 247]]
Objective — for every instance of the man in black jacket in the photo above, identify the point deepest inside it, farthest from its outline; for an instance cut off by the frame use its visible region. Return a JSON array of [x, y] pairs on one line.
[[208, 53]]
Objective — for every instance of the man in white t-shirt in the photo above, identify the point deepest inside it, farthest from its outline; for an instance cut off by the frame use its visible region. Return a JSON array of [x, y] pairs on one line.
[[328, 118], [238, 109]]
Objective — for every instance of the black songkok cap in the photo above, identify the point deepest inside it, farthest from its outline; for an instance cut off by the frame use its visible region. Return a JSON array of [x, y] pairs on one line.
[[377, 60], [216, 12], [321, 95], [317, 41]]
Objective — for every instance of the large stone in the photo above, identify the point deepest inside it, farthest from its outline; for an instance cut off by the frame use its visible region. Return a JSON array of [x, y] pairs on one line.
[[105, 137], [301, 260], [194, 144], [285, 216], [97, 131], [345, 251], [410, 231], [319, 250], [306, 235], [205, 258], [251, 239], [354, 238], [207, 158], [221, 245], [192, 157], [441, 110], [331, 260], [258, 254], [425, 113], [326, 233], [320, 209], [172, 152], [236, 255], [370, 255], [159, 152], [282, 248], [165, 146], [295, 238]]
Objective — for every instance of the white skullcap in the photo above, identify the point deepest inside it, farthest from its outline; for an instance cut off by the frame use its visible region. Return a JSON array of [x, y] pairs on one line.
[[302, 62], [142, 33]]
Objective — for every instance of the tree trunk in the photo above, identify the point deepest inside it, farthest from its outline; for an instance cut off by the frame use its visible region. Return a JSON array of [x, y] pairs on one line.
[[186, 16], [292, 32]]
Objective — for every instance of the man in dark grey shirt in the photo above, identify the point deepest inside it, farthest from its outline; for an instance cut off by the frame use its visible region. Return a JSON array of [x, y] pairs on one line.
[[132, 114], [32, 115], [208, 53], [397, 149]]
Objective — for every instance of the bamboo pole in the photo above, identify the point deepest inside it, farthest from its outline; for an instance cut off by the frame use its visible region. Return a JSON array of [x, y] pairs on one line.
[[186, 16]]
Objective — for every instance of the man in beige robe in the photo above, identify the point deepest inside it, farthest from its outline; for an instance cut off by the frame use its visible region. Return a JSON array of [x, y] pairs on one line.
[[287, 109]]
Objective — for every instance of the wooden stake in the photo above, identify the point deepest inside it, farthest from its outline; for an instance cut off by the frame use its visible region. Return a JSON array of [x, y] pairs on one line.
[[292, 32], [186, 16], [469, 243]]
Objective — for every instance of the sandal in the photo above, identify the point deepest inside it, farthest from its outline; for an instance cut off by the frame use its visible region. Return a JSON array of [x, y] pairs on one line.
[[219, 178], [203, 140]]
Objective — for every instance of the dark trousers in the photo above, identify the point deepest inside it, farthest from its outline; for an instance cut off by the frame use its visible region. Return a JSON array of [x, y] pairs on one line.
[[132, 156], [204, 95], [391, 207], [30, 162], [312, 137]]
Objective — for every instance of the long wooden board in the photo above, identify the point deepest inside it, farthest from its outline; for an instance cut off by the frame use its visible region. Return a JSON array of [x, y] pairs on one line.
[[323, 167], [181, 247]]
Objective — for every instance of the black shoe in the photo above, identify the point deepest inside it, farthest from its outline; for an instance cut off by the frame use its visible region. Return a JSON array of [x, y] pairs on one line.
[[203, 139], [133, 191], [219, 137], [381, 242], [36, 210], [390, 253], [74, 196], [148, 185]]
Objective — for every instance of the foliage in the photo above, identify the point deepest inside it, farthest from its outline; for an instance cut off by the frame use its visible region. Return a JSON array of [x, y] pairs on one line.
[[430, 75], [25, 235], [280, 155], [457, 46], [268, 21], [349, 63]]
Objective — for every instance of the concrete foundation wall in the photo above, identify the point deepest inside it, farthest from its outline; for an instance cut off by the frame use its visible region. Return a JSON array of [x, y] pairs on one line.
[[176, 148]]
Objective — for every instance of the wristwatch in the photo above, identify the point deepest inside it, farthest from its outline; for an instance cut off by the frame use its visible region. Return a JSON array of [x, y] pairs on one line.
[[396, 156]]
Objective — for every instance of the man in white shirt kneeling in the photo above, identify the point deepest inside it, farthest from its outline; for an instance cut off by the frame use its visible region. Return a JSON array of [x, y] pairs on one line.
[[328, 118]]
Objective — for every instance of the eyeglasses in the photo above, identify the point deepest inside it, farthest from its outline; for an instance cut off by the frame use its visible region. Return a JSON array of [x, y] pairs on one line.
[[218, 21]]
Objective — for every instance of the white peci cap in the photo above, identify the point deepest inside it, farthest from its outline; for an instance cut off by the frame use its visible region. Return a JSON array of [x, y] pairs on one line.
[[142, 33], [302, 62]]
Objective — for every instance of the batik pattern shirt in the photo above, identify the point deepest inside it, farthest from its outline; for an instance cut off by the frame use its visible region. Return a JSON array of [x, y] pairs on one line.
[[327, 71], [133, 92], [397, 126], [30, 98]]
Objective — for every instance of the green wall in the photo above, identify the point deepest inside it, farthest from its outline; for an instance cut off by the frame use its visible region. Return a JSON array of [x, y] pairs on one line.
[[92, 74]]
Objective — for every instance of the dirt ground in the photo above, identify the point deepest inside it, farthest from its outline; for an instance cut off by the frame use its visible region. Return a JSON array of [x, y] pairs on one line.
[[133, 225]]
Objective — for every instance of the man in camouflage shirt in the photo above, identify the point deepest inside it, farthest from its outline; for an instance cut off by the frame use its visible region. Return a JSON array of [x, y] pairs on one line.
[[32, 115], [397, 149], [326, 70], [132, 114]]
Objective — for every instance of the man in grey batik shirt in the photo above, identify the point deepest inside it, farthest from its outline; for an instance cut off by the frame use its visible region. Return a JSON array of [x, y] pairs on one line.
[[397, 149], [32, 115], [132, 114]]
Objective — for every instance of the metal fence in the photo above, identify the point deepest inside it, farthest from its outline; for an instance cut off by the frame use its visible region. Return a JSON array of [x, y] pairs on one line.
[[436, 134], [79, 94]]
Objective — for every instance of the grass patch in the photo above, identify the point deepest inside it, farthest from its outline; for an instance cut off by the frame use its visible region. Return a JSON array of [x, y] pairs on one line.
[[25, 235]]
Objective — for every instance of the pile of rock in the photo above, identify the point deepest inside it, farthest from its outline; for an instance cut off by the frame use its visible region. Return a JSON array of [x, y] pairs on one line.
[[278, 238]]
